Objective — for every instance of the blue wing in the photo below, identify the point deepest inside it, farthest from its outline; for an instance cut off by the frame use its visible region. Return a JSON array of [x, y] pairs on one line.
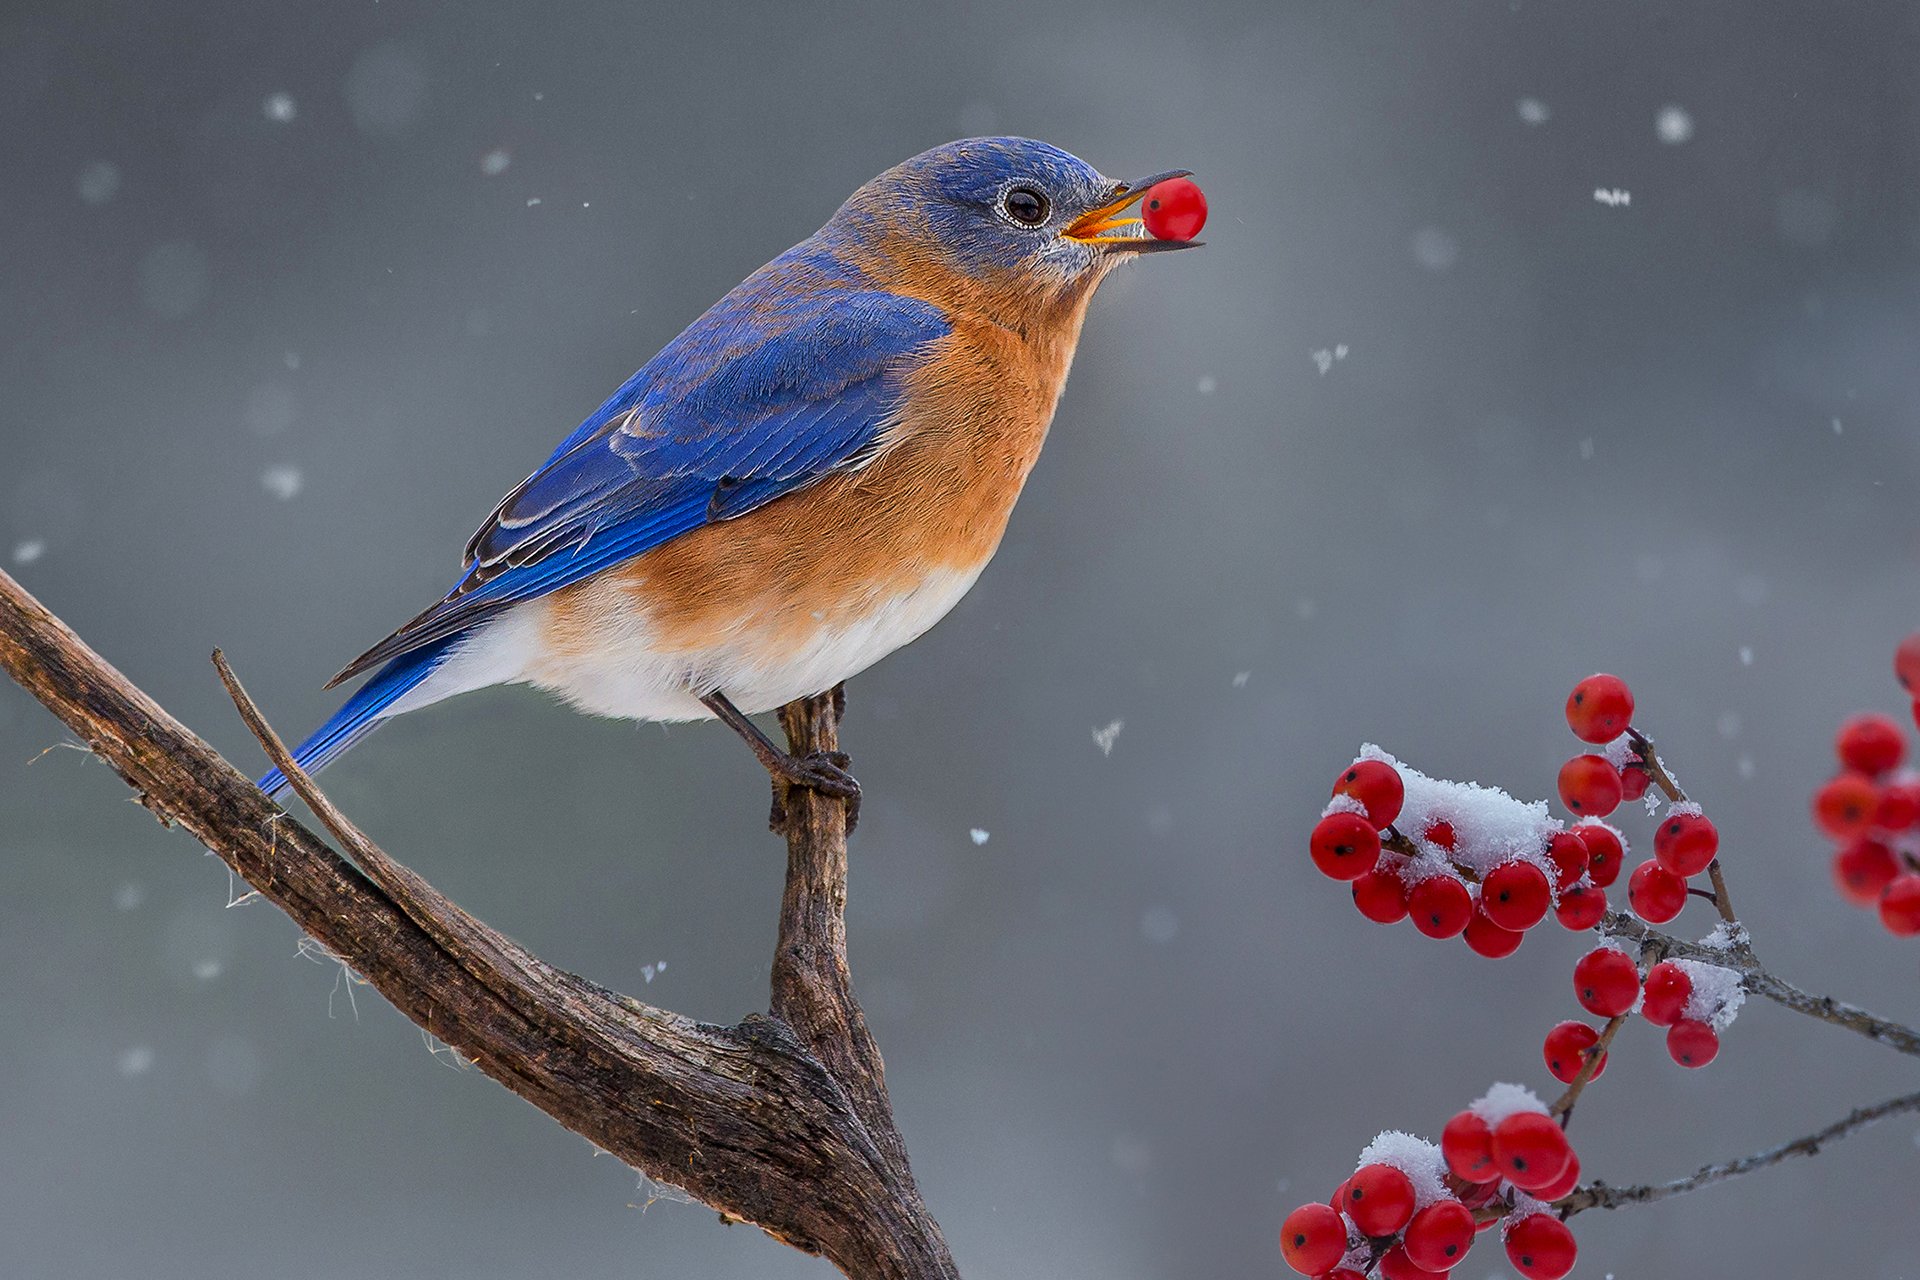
[[757, 398]]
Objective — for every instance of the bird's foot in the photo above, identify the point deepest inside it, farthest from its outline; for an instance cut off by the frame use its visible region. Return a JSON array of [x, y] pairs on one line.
[[822, 771]]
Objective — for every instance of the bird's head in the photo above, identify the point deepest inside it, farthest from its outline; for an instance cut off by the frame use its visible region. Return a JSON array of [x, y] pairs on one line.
[[1006, 218]]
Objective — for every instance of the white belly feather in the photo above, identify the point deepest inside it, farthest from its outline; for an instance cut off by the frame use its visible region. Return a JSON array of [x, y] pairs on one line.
[[626, 677]]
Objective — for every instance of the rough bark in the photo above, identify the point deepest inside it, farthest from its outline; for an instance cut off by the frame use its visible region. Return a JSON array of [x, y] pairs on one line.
[[781, 1120]]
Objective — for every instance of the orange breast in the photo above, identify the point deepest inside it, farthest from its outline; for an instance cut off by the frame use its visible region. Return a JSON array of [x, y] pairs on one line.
[[937, 500]]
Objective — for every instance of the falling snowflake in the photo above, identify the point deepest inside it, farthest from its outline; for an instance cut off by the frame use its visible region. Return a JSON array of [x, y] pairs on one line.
[[283, 480], [979, 835], [495, 162], [1532, 111], [1103, 738], [28, 550], [279, 107], [1673, 125], [1612, 197]]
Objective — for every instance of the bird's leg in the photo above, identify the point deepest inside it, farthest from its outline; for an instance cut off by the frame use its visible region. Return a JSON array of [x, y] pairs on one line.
[[823, 771]]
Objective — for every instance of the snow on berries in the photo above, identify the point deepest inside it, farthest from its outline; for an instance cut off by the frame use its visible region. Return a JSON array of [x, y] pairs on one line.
[[1411, 1210], [1871, 808], [1458, 859]]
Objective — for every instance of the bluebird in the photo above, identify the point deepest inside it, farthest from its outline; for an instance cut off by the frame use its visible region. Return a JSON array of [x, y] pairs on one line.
[[807, 478]]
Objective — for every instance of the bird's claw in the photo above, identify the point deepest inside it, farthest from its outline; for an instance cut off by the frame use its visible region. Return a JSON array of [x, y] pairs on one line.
[[821, 771]]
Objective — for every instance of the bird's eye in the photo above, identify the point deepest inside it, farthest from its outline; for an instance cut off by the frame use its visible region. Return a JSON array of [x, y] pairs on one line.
[[1025, 206]]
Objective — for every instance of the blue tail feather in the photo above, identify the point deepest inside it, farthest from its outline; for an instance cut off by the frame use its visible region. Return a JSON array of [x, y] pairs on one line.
[[361, 714]]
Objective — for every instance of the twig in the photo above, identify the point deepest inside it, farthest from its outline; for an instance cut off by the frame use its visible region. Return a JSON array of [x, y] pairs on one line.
[[1756, 980], [1722, 900], [1562, 1109], [1599, 1195], [765, 1122]]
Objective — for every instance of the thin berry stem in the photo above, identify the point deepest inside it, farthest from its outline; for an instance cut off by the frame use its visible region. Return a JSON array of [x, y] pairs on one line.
[[1598, 1195], [1758, 981], [1722, 900]]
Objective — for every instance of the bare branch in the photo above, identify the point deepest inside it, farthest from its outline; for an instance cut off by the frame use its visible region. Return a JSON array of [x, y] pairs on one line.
[[1599, 1195], [786, 1130], [1758, 981]]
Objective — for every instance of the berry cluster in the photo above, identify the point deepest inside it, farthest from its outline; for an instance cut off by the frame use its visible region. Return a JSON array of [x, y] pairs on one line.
[[1871, 808], [1412, 1209], [1458, 859], [1461, 859]]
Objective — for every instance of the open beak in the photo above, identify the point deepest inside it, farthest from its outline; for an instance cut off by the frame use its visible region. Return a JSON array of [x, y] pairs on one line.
[[1113, 231]]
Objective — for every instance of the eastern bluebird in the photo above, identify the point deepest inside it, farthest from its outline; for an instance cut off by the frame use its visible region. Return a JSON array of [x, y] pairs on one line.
[[807, 478]]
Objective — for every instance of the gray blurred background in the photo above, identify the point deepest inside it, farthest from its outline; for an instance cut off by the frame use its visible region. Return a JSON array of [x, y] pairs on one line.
[[289, 295]]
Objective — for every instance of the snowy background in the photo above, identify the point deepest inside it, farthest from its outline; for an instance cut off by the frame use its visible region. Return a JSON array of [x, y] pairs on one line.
[[289, 295]]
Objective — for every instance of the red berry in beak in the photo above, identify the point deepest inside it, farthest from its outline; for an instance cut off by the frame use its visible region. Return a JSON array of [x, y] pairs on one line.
[[1174, 210]]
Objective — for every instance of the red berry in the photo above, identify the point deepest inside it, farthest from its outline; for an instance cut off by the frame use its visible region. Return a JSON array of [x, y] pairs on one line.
[[1515, 895], [1634, 781], [1467, 1144], [1863, 869], [1439, 1235], [1590, 786], [1396, 1265], [1381, 896], [1440, 906], [1900, 905], [1566, 1051], [1906, 664], [1478, 1195], [1668, 989], [1606, 852], [1692, 1044], [1655, 893], [1870, 743], [1845, 807], [1540, 1247], [1488, 939], [1568, 853], [1313, 1239], [1569, 1179], [1686, 843], [1440, 833], [1599, 708], [1174, 210], [1581, 907], [1379, 1199], [1606, 982], [1899, 807], [1529, 1149], [1375, 784], [1338, 1200], [1345, 846]]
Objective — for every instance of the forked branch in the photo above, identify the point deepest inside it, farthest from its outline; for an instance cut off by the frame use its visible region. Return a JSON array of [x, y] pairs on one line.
[[781, 1120]]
